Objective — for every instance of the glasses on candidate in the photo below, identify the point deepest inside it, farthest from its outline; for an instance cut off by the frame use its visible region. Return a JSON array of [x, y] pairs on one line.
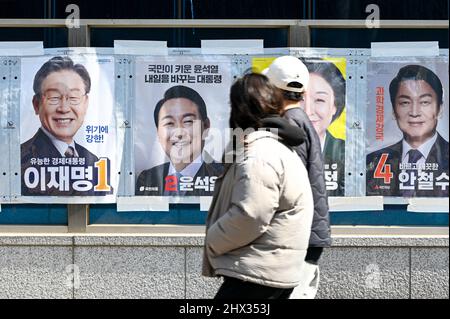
[[55, 98]]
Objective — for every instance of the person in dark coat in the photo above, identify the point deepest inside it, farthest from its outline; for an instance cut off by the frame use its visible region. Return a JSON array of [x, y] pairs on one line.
[[291, 76]]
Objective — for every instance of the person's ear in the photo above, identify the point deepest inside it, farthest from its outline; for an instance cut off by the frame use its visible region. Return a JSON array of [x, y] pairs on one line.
[[206, 126], [334, 110], [207, 123], [36, 102], [394, 115], [441, 112], [87, 100]]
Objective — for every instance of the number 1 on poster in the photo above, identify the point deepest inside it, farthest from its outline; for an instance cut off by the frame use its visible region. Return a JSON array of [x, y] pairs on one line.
[[102, 185]]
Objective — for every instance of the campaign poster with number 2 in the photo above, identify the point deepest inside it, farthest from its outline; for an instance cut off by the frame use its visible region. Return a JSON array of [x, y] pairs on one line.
[[181, 120]]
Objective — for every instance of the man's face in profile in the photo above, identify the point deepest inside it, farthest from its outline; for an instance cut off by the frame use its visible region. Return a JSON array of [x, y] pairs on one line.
[[416, 110], [180, 131], [62, 105]]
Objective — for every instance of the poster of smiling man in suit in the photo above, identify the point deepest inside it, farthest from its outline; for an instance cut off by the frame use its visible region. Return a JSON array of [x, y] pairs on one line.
[[407, 129], [67, 135], [181, 119]]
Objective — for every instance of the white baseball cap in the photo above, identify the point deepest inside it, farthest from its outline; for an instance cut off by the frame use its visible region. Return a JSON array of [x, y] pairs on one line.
[[287, 70]]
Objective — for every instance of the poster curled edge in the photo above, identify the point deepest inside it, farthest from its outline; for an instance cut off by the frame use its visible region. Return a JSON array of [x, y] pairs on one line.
[[428, 205], [205, 203], [142, 203], [140, 47], [24, 48], [250, 46], [404, 49], [348, 204]]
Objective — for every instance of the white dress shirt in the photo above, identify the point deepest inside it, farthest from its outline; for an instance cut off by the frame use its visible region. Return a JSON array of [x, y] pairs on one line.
[[190, 170], [60, 145], [424, 149]]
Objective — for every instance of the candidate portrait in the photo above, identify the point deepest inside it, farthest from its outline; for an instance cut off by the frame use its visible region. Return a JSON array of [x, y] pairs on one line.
[[324, 103], [60, 101], [182, 125], [417, 165]]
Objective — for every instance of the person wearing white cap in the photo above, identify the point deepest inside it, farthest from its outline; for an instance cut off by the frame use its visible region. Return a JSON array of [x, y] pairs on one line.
[[291, 76]]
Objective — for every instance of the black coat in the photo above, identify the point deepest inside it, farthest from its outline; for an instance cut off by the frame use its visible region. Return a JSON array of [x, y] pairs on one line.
[[151, 181], [334, 153], [40, 146], [311, 154], [376, 186]]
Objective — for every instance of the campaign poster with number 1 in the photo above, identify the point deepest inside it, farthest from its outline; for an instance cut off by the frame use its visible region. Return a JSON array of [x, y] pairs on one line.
[[67, 127]]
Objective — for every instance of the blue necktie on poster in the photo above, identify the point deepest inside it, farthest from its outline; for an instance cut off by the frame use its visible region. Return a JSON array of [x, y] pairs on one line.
[[414, 156]]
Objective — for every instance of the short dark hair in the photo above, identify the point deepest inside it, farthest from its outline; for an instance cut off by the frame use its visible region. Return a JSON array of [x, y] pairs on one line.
[[330, 73], [416, 73], [180, 91], [292, 96], [57, 64], [253, 98]]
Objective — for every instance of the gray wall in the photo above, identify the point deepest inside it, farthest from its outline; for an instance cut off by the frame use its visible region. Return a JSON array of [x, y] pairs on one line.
[[168, 266]]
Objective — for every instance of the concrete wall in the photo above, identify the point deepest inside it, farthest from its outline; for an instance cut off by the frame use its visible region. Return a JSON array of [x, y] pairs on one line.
[[168, 266]]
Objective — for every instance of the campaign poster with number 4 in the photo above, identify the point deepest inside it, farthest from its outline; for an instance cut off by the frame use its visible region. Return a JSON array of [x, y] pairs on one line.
[[407, 128]]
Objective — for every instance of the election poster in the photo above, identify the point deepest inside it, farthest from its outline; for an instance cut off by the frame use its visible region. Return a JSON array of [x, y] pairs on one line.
[[180, 124], [67, 127], [407, 128], [324, 104]]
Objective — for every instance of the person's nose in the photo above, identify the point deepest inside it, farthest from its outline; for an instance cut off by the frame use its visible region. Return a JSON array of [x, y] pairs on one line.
[[178, 132], [309, 107], [63, 105], [415, 110]]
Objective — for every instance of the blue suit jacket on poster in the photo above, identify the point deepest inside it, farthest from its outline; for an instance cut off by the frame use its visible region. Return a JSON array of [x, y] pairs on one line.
[[40, 146], [438, 154], [154, 178]]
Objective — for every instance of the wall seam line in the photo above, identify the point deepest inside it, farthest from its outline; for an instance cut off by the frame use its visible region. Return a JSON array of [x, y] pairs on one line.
[[73, 264], [410, 272], [185, 272]]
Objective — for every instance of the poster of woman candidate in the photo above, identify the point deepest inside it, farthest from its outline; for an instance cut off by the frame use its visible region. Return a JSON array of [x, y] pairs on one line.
[[324, 104], [67, 127], [181, 121], [407, 128]]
